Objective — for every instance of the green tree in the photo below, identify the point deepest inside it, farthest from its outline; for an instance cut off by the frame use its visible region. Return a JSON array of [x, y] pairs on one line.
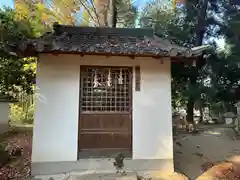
[[126, 13], [16, 74], [65, 11], [226, 64], [189, 26]]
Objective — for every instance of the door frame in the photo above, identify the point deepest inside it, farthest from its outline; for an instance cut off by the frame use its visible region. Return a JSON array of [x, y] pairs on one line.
[[81, 94]]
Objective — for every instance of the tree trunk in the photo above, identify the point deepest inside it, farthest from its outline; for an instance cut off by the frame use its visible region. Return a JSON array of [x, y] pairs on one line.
[[114, 17], [102, 12], [201, 115], [190, 106], [199, 38]]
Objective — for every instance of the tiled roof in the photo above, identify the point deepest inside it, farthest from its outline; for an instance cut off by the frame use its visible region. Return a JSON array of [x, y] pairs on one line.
[[104, 40]]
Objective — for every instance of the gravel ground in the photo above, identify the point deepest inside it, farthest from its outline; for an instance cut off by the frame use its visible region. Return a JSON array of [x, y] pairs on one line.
[[192, 151]]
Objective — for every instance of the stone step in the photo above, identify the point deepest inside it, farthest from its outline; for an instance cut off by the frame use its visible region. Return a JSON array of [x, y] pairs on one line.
[[91, 175], [94, 175], [104, 176]]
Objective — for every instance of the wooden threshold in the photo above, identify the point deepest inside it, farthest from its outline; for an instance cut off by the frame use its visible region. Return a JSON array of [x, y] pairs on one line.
[[103, 153]]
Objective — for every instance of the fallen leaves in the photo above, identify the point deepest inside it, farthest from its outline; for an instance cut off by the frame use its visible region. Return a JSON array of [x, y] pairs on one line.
[[178, 143], [19, 146], [206, 166], [198, 154], [221, 171]]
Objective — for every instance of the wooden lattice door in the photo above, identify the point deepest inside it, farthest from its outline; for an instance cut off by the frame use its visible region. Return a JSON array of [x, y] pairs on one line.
[[105, 113]]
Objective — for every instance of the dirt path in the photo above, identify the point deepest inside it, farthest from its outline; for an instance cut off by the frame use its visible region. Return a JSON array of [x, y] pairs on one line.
[[191, 151]]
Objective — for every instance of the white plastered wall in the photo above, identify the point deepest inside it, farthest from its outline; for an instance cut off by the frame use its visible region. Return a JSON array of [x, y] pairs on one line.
[[56, 115], [4, 114]]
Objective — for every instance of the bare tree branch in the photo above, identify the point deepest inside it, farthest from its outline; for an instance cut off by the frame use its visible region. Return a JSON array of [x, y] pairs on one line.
[[87, 9], [95, 11]]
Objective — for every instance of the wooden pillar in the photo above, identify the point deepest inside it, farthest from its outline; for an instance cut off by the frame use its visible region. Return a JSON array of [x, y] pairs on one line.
[[237, 121], [238, 108]]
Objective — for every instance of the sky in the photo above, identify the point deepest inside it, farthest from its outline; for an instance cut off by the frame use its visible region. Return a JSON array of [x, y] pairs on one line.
[[10, 2], [139, 3], [6, 3]]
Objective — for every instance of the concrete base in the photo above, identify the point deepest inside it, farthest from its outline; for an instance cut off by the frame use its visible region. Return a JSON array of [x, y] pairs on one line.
[[90, 175], [94, 175], [102, 165], [4, 128]]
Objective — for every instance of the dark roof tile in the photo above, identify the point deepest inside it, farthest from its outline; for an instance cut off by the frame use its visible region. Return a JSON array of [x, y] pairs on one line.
[[104, 40]]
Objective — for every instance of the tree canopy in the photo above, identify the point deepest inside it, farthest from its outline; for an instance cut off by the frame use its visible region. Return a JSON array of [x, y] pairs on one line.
[[214, 79], [16, 74], [216, 76]]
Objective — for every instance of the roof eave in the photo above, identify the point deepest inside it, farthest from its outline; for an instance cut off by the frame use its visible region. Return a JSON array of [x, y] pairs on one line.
[[30, 53], [200, 49]]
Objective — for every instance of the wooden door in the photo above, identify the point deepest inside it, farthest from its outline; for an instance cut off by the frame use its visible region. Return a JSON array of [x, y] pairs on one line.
[[105, 111]]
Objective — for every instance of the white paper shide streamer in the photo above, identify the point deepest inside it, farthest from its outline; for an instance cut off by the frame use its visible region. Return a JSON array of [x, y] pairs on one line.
[[95, 81], [120, 78], [109, 79]]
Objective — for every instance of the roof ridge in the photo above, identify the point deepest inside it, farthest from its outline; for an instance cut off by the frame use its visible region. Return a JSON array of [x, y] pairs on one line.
[[59, 29]]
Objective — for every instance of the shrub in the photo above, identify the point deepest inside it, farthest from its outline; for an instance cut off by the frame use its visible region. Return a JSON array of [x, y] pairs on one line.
[[4, 156], [29, 115], [19, 115]]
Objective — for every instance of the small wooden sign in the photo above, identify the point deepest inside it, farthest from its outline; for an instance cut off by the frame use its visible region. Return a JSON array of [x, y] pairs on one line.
[[137, 78]]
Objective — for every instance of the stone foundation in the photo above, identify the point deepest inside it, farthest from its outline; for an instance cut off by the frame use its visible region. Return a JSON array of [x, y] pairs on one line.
[[102, 165], [4, 115], [3, 128]]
